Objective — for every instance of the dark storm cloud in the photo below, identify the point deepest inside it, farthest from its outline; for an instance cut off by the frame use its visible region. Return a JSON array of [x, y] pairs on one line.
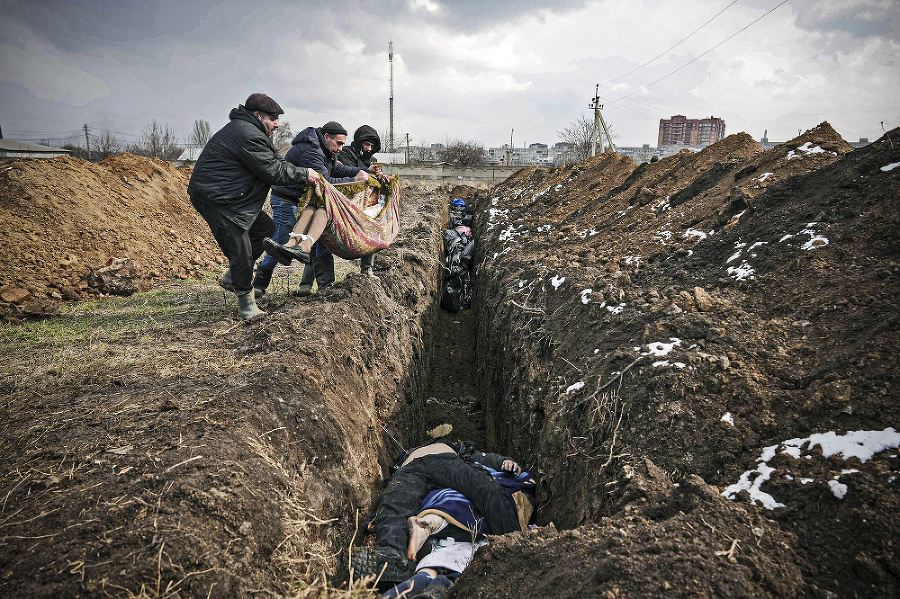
[[82, 25], [859, 20]]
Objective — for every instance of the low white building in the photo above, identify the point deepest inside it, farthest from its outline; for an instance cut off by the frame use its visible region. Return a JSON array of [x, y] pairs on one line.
[[11, 150]]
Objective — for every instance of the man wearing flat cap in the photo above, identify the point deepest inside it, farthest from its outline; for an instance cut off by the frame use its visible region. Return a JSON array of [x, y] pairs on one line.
[[229, 186], [315, 148]]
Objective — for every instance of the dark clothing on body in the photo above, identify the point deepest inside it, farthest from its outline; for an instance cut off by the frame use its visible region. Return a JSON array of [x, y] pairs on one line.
[[229, 186], [454, 470]]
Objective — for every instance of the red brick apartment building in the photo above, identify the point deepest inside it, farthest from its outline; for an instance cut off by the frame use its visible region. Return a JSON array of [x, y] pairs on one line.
[[682, 131]]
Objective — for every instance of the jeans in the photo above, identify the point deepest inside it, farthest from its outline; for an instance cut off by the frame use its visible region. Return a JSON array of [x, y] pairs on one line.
[[411, 483], [284, 213], [241, 247]]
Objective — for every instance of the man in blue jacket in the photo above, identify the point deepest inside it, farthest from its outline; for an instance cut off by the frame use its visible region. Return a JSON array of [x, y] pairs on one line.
[[229, 185], [315, 148]]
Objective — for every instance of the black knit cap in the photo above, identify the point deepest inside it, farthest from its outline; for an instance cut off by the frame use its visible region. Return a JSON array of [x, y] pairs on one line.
[[262, 103], [333, 128]]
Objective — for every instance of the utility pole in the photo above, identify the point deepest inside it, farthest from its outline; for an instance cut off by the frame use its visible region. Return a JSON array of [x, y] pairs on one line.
[[87, 141], [612, 146], [510, 151], [595, 104], [407, 148], [598, 122], [390, 143]]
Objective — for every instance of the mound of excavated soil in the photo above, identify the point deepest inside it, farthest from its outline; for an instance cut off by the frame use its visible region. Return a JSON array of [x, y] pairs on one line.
[[61, 217], [694, 312]]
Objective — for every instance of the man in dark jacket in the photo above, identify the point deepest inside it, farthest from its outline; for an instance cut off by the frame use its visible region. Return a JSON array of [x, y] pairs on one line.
[[315, 148], [229, 186], [365, 144]]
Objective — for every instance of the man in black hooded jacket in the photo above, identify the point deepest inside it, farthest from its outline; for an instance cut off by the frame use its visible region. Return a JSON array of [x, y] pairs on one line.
[[229, 185], [364, 146]]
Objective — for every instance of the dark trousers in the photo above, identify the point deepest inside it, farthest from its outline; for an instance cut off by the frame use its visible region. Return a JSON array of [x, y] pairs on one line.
[[321, 268], [366, 263], [411, 483], [241, 246]]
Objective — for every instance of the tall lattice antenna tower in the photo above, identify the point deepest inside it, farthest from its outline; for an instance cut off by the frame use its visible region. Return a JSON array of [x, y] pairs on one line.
[[390, 143]]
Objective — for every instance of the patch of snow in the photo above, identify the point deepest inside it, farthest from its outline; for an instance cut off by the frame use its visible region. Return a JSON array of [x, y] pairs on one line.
[[574, 387], [764, 176], [807, 149], [659, 349], [785, 238], [839, 489], [508, 234], [817, 241], [558, 187], [763, 472], [743, 272], [889, 167], [859, 444], [728, 418], [616, 309], [556, 281], [739, 247], [663, 236], [586, 295], [695, 233]]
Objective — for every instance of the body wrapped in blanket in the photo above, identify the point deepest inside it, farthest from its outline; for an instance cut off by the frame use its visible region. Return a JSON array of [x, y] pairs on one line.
[[351, 220]]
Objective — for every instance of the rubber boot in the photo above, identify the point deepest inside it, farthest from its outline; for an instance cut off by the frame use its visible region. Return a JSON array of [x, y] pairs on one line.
[[261, 281], [247, 308]]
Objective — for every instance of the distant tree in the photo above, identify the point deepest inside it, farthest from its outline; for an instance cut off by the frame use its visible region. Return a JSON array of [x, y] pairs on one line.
[[105, 145], [283, 137], [463, 153], [200, 133], [157, 141], [386, 144], [76, 151], [421, 153], [580, 135]]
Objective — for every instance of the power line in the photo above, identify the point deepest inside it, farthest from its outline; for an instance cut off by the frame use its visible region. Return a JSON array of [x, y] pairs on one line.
[[640, 89], [664, 52]]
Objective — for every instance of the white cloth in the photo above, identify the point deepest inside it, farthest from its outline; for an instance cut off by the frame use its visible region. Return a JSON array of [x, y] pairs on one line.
[[451, 554]]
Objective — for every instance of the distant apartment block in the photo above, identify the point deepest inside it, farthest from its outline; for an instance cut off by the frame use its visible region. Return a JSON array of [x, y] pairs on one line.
[[682, 131]]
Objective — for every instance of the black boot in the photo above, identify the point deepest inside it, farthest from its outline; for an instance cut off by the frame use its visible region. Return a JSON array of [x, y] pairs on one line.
[[261, 281]]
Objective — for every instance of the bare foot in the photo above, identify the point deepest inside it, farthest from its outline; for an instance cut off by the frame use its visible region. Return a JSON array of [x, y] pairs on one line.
[[418, 534]]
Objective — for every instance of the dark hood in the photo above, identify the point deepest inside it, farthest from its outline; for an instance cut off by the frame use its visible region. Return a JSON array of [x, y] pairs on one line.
[[366, 133]]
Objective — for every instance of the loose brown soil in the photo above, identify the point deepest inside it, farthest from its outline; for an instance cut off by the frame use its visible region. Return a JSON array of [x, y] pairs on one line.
[[156, 446]]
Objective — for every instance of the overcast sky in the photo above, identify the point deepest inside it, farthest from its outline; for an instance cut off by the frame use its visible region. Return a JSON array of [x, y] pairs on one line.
[[466, 69]]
